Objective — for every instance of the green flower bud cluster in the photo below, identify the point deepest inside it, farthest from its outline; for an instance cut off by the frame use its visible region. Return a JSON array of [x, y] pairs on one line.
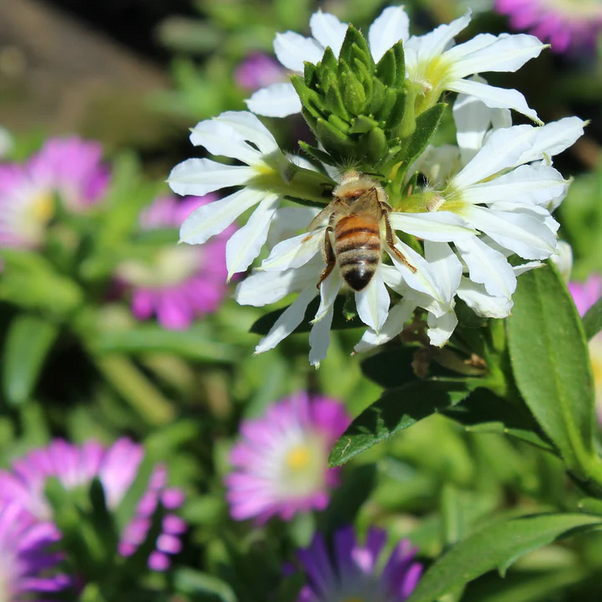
[[362, 113]]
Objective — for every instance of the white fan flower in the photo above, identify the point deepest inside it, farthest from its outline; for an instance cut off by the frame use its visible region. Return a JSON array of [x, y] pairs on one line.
[[433, 64]]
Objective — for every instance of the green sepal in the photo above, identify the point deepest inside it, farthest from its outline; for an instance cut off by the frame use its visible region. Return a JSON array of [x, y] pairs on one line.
[[400, 65], [333, 140], [316, 153], [328, 64], [339, 124], [334, 102], [310, 73], [353, 92], [365, 78], [389, 100], [363, 124], [386, 69], [355, 46], [378, 97], [311, 100], [395, 117], [376, 145]]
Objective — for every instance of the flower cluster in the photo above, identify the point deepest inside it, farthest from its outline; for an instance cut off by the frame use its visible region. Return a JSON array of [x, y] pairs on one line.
[[352, 572], [27, 516], [280, 466], [431, 225], [65, 174]]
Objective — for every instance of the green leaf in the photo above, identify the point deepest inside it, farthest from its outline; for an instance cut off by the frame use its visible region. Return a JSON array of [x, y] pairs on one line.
[[427, 124], [551, 365], [197, 343], [190, 581], [27, 344], [485, 412], [355, 47], [495, 546], [395, 411], [592, 320], [391, 367]]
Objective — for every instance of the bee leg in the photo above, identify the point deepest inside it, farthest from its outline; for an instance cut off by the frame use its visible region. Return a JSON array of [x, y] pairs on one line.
[[391, 242], [329, 257]]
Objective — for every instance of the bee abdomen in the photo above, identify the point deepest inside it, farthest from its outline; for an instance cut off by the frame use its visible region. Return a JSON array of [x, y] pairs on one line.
[[358, 250]]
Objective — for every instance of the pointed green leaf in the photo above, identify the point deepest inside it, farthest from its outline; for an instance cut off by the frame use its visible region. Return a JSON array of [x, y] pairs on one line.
[[378, 97], [395, 411], [551, 365], [386, 70], [363, 124], [353, 92], [27, 344], [400, 60], [592, 320], [310, 99], [316, 153], [395, 117], [427, 124], [495, 546], [334, 102]]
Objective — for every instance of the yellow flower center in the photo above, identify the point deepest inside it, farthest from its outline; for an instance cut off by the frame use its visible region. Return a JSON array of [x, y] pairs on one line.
[[298, 457], [42, 207]]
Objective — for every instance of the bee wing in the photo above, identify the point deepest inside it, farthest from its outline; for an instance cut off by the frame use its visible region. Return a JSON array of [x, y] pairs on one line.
[[324, 214], [368, 202]]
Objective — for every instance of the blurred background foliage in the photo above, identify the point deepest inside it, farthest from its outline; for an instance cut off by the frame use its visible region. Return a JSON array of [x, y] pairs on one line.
[[135, 74]]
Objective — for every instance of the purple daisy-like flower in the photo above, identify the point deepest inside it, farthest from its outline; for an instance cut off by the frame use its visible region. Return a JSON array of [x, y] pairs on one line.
[[69, 169], [352, 571], [585, 294], [280, 466], [181, 282], [116, 467], [259, 70], [565, 24], [25, 560]]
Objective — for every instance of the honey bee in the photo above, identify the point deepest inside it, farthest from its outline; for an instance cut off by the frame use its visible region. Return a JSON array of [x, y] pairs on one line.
[[353, 235]]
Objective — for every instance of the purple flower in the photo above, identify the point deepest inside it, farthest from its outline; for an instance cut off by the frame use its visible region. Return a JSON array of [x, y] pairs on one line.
[[25, 559], [181, 282], [280, 466], [116, 467], [69, 169], [259, 70], [585, 295], [352, 571], [566, 24]]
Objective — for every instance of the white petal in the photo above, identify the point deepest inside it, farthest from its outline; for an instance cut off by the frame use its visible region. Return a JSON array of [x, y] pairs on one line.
[[553, 138], [438, 164], [527, 267], [245, 244], [496, 98], [294, 252], [523, 234], [277, 100], [420, 278], [501, 151], [399, 314], [329, 289], [319, 338], [200, 176], [221, 139], [489, 267], [288, 321], [440, 226], [431, 45], [445, 264], [441, 328], [528, 184], [485, 53], [288, 221], [293, 50], [328, 30], [389, 27], [263, 288], [473, 119], [481, 302], [251, 129], [372, 303], [213, 218], [563, 259]]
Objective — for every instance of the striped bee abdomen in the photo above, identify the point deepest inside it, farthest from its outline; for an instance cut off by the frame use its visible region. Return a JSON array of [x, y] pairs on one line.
[[357, 249]]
